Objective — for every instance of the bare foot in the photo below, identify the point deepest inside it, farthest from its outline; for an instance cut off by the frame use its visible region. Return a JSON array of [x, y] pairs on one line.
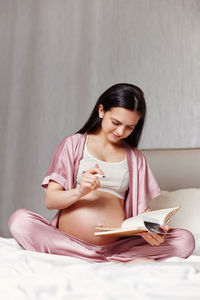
[[140, 259]]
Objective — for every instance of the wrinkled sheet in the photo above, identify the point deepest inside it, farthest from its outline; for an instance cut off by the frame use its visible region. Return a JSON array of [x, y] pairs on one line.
[[30, 275]]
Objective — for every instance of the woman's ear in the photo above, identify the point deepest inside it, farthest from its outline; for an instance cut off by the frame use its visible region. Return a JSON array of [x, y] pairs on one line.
[[101, 111]]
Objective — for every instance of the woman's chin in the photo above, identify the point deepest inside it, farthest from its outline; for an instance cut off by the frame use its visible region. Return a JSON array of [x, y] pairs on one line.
[[116, 139]]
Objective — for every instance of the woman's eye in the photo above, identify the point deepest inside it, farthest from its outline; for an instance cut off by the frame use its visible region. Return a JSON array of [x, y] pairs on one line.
[[115, 123]]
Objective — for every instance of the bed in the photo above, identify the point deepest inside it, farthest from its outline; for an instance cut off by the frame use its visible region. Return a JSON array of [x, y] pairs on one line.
[[30, 275]]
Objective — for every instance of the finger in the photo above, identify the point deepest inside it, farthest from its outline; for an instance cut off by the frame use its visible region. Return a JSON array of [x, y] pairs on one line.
[[92, 178], [153, 238], [88, 175], [148, 238], [158, 237], [93, 171], [96, 169], [86, 185], [165, 227]]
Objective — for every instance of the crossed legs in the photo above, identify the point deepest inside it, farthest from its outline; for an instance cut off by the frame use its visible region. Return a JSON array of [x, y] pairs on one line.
[[35, 233]]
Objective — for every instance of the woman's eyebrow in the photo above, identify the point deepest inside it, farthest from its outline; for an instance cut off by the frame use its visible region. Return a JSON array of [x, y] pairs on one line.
[[120, 122]]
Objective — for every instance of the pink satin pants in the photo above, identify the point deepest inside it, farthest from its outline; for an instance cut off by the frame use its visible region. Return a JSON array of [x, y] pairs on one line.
[[35, 233]]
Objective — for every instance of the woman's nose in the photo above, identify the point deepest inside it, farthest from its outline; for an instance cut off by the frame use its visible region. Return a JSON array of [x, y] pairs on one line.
[[120, 130]]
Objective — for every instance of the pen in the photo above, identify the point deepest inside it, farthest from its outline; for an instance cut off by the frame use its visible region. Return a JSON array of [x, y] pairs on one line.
[[98, 175]]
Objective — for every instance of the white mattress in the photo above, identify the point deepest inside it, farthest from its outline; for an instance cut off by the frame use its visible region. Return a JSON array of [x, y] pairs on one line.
[[30, 275]]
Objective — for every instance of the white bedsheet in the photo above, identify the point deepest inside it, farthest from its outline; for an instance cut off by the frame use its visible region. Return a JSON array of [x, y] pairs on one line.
[[31, 275]]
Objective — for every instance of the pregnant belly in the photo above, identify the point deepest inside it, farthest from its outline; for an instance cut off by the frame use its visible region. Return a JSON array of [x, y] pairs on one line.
[[95, 209]]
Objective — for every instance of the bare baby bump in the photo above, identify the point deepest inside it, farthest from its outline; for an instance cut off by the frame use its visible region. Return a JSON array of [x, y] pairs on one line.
[[95, 209]]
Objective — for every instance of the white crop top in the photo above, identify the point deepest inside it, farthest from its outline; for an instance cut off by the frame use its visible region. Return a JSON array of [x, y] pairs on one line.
[[116, 174]]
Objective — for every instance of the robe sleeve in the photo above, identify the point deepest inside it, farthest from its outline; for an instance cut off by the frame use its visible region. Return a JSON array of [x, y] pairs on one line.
[[147, 186], [61, 165]]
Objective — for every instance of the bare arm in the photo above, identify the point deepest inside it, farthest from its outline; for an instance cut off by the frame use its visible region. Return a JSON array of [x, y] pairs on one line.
[[57, 198]]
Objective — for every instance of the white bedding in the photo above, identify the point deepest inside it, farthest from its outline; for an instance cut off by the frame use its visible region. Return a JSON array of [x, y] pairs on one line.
[[31, 275]]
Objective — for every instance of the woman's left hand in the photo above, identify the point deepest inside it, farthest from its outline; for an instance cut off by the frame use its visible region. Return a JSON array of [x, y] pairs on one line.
[[154, 239]]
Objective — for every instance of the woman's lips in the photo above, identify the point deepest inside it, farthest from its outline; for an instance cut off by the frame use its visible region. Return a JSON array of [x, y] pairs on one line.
[[116, 136]]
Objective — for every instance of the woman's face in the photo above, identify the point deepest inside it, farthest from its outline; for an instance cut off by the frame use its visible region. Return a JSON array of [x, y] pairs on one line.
[[118, 123]]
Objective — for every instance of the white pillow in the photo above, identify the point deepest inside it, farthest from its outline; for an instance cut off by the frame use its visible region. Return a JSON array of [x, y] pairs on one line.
[[187, 216]]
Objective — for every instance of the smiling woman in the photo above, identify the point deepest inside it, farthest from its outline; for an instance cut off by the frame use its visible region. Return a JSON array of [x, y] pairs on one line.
[[105, 145], [118, 122], [122, 95]]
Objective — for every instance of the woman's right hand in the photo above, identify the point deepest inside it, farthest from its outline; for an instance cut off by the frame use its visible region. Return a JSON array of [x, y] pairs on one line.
[[89, 181]]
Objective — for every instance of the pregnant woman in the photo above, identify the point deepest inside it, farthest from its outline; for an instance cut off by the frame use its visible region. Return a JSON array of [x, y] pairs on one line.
[[97, 177]]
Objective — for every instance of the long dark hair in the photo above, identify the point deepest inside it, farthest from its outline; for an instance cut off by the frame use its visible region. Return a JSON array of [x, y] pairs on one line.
[[123, 95]]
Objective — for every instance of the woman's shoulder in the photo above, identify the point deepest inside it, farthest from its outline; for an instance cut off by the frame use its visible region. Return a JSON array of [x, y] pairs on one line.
[[135, 151], [137, 154], [73, 138], [73, 141]]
